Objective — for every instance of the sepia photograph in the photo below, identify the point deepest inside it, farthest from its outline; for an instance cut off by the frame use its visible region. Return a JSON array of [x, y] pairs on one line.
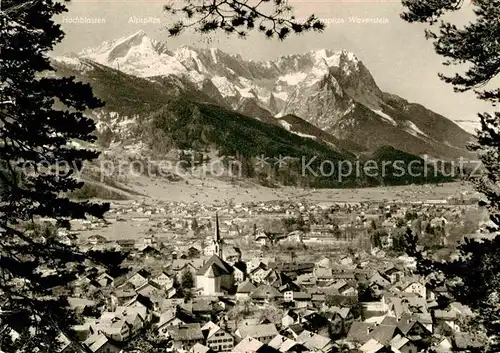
[[249, 176]]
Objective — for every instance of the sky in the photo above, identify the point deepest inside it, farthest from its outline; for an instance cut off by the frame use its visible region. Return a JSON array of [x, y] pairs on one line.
[[397, 54]]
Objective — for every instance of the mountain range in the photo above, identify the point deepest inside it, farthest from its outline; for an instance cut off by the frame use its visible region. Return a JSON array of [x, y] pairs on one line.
[[325, 96]]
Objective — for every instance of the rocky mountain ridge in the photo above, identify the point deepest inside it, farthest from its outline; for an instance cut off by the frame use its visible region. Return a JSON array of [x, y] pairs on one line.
[[331, 90]]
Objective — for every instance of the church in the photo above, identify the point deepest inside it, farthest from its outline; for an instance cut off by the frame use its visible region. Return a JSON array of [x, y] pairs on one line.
[[216, 275]]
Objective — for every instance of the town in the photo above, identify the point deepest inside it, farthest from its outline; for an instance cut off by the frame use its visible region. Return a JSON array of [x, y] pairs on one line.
[[276, 276]]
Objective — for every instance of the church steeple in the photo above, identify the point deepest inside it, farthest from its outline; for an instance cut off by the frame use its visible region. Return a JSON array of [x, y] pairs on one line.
[[217, 239]]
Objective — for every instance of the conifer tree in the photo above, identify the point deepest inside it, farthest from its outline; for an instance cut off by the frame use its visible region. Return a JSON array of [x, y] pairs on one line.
[[474, 279], [187, 280], [273, 18], [41, 116]]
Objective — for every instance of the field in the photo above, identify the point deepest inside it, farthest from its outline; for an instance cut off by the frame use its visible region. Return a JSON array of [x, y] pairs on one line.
[[211, 190]]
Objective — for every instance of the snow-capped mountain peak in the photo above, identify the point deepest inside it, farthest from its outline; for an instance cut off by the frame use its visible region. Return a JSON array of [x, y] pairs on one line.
[[321, 73], [189, 55], [228, 74], [329, 58], [138, 55], [110, 50], [330, 89]]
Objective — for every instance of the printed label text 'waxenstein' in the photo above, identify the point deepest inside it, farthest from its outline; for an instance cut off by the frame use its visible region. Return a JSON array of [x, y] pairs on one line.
[[368, 20]]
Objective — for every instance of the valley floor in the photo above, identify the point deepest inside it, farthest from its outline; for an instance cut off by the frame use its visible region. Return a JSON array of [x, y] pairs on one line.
[[211, 191]]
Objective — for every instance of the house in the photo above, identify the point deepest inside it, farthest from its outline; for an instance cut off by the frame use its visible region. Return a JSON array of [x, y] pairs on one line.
[[290, 318], [216, 338], [289, 286], [150, 238], [259, 273], [415, 287], [406, 304], [232, 254], [248, 345], [346, 260], [323, 274], [347, 274], [410, 327], [148, 251], [446, 319], [179, 266], [265, 292], [318, 298], [401, 344], [193, 251], [126, 243], [255, 263], [315, 342], [166, 319], [275, 278], [287, 345], [316, 322], [124, 295], [307, 280], [135, 323], [393, 273], [244, 290], [359, 332], [150, 289], [379, 307], [297, 268], [137, 280], [99, 343], [291, 296], [295, 236], [443, 344], [171, 293], [65, 344], [262, 238], [185, 335], [341, 319], [293, 331], [136, 317], [461, 309], [378, 280], [164, 280], [240, 271], [263, 333], [383, 333], [145, 303], [172, 303], [373, 346], [199, 348], [113, 326], [202, 307], [426, 320], [179, 224], [105, 280], [340, 287], [224, 304]]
